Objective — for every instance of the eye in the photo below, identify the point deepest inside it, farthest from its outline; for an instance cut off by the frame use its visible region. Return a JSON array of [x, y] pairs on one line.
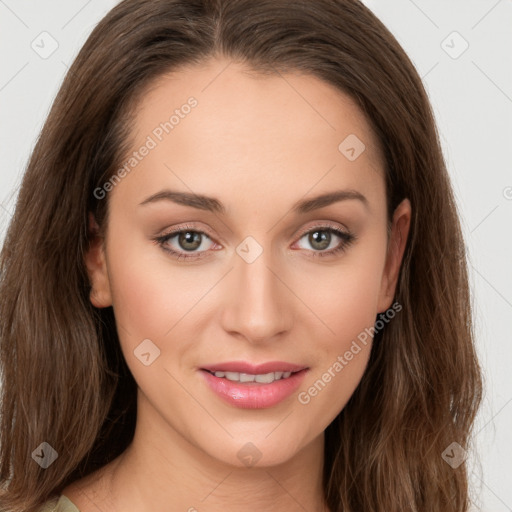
[[185, 243], [187, 240], [321, 238]]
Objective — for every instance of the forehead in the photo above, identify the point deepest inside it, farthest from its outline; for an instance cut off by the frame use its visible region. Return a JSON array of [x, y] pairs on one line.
[[248, 130]]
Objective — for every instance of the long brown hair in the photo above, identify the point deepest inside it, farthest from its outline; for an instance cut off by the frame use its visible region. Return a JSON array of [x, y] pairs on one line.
[[65, 381]]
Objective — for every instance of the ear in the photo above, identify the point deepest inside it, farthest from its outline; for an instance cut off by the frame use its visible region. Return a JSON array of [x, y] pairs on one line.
[[95, 262], [398, 238]]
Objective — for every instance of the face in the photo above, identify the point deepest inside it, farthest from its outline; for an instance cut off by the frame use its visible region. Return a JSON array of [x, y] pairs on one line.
[[253, 279]]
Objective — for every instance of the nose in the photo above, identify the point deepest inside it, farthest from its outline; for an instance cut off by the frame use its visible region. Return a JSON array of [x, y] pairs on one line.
[[258, 305]]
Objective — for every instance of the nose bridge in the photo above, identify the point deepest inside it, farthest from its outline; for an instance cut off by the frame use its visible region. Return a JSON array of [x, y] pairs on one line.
[[256, 308]]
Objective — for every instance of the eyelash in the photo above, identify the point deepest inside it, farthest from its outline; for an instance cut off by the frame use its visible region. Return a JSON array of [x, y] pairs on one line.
[[347, 240]]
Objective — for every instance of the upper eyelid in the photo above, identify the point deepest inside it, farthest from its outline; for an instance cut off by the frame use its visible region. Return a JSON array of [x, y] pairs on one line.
[[318, 225], [323, 225]]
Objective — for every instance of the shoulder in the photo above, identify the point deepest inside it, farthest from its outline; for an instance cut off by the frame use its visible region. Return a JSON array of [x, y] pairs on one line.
[[59, 504]]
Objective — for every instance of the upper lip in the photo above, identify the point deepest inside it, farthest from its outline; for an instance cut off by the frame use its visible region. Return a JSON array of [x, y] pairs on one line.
[[255, 369]]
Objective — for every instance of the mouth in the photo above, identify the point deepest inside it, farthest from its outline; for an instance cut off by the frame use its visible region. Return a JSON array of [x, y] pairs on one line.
[[250, 386]]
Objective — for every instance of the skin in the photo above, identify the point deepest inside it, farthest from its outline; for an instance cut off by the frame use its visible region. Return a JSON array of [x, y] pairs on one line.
[[257, 144]]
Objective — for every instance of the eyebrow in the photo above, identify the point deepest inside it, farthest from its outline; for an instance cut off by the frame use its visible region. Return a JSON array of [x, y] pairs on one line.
[[212, 204]]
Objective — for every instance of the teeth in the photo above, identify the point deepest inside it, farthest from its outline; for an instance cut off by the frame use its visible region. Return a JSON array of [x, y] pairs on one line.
[[265, 378]]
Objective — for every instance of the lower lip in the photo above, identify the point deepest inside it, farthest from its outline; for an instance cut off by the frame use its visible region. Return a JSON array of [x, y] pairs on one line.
[[252, 395]]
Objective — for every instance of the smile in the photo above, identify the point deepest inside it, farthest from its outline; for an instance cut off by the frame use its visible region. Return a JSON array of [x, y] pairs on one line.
[[253, 386], [261, 378]]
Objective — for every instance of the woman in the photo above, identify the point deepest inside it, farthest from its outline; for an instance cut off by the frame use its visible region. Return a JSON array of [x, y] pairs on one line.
[[312, 348]]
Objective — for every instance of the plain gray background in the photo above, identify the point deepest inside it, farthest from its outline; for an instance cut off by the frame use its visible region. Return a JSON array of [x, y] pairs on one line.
[[462, 51]]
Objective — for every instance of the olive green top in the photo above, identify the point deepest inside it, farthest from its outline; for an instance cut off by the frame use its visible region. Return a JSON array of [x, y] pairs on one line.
[[60, 504]]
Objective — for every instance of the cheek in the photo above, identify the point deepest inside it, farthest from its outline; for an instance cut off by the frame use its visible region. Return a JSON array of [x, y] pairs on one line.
[[346, 296], [151, 300], [350, 302], [150, 295], [342, 351], [347, 308], [347, 304]]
